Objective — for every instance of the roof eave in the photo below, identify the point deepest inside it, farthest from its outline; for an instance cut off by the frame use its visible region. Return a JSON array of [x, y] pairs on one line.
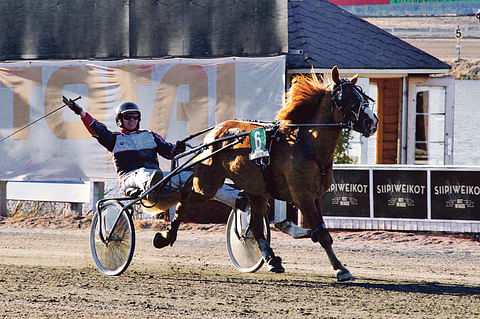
[[374, 72]]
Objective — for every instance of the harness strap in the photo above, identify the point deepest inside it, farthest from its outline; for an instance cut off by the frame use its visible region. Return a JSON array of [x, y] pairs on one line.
[[265, 167], [306, 149]]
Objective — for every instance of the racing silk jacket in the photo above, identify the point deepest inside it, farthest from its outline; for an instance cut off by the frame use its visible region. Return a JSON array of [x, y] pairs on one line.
[[130, 151]]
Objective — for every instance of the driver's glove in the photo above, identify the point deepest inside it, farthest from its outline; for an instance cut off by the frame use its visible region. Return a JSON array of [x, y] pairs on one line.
[[180, 147], [72, 105]]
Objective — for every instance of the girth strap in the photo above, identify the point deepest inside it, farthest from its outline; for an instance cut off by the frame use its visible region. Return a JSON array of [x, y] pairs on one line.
[[265, 166], [308, 151], [269, 184]]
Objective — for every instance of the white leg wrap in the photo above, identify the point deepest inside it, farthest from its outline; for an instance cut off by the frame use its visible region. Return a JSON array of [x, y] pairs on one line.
[[290, 228], [227, 195]]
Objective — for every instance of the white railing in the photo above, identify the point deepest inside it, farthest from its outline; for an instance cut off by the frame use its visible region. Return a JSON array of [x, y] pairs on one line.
[[75, 193], [471, 31]]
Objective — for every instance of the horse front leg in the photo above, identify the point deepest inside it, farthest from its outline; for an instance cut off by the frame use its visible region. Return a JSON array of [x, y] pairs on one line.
[[259, 205], [321, 234]]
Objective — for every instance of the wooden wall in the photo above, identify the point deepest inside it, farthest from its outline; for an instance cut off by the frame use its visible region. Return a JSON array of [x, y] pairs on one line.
[[389, 102]]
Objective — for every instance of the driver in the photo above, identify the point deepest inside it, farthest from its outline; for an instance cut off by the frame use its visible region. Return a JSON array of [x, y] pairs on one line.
[[134, 153]]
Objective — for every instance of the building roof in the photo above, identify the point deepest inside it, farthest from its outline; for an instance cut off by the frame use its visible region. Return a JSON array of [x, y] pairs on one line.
[[322, 35]]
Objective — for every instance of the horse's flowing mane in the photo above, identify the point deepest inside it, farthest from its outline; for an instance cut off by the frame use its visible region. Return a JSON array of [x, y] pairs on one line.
[[304, 90]]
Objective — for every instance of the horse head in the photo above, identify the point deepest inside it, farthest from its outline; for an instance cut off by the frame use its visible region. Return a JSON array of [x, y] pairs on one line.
[[353, 103]]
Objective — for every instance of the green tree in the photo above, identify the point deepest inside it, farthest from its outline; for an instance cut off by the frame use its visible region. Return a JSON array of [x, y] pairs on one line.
[[340, 156]]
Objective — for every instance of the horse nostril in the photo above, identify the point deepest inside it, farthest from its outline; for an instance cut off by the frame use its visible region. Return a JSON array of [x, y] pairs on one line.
[[371, 126]]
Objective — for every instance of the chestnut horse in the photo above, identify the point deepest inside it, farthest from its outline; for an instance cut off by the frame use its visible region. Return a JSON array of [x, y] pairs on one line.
[[301, 157]]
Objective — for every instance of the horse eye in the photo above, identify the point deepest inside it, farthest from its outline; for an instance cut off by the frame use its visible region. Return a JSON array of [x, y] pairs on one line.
[[355, 105]]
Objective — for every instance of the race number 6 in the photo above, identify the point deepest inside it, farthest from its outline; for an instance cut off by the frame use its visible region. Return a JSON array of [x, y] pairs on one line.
[[258, 140], [258, 143]]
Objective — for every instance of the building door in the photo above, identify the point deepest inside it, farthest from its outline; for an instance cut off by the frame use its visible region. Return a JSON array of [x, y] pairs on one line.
[[389, 102], [430, 121]]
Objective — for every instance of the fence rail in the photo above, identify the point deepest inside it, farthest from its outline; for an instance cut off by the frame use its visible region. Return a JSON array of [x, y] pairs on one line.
[[447, 32], [384, 197]]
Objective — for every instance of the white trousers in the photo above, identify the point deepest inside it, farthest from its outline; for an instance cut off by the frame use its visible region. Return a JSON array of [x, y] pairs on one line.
[[140, 180]]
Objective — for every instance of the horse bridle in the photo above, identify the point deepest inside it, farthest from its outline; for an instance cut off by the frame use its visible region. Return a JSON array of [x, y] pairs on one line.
[[358, 91]]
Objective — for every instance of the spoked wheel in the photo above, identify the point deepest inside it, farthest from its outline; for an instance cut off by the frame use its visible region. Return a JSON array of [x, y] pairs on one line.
[[113, 254], [242, 247]]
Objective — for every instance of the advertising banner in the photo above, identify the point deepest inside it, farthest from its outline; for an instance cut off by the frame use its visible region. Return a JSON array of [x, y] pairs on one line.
[[455, 195], [400, 194], [348, 195], [177, 97]]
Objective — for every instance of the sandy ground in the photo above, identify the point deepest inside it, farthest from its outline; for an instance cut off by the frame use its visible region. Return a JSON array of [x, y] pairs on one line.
[[442, 48], [424, 21], [46, 271]]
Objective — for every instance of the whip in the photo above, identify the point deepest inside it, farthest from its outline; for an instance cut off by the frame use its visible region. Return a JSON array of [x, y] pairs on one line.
[[31, 123]]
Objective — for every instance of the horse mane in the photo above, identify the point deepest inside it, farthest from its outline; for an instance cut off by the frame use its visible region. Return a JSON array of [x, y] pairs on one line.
[[304, 90]]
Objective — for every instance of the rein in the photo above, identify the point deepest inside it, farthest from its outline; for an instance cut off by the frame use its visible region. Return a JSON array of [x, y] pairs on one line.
[[278, 124]]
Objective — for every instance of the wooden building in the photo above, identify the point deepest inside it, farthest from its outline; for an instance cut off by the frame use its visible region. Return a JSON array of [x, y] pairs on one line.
[[414, 98]]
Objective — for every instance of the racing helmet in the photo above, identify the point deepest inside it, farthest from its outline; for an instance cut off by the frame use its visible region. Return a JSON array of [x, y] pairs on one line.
[[126, 107]]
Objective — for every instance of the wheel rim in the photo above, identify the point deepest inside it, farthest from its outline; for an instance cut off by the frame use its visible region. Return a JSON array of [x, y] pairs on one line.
[[243, 250], [113, 257]]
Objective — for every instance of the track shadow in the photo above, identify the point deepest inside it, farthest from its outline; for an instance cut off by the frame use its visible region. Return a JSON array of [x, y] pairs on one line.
[[428, 288], [431, 288]]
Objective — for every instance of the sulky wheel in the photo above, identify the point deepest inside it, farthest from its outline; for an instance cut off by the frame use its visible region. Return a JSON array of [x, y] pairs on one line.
[[113, 254], [242, 247]]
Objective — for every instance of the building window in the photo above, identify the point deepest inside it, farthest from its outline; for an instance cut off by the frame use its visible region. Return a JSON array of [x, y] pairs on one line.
[[430, 126]]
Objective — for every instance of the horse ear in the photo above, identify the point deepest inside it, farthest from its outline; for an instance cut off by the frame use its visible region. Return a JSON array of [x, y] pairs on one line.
[[335, 75], [354, 79]]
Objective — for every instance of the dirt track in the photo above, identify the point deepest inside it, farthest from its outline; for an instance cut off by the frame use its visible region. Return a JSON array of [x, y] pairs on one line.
[[442, 48], [49, 273]]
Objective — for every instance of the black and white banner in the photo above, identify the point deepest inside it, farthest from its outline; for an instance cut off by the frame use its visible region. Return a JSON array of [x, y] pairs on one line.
[[455, 195]]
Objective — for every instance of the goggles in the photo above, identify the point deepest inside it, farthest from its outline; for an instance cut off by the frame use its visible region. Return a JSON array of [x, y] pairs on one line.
[[130, 116]]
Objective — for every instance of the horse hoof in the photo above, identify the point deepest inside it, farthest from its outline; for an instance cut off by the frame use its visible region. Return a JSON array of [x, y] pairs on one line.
[[275, 265], [344, 275], [160, 240]]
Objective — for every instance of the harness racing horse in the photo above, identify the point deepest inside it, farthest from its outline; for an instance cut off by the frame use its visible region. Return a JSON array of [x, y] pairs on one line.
[[301, 157]]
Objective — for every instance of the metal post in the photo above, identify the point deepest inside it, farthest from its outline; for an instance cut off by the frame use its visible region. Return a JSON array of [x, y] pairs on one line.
[[280, 211], [458, 35], [403, 146], [98, 192], [3, 199], [76, 209]]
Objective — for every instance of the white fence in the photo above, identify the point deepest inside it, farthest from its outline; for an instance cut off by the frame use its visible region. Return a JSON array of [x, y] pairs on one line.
[[75, 193], [447, 32], [367, 197]]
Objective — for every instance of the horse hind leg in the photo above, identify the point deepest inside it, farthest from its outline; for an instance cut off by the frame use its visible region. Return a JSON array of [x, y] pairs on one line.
[[259, 207], [168, 237], [204, 185], [188, 197]]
